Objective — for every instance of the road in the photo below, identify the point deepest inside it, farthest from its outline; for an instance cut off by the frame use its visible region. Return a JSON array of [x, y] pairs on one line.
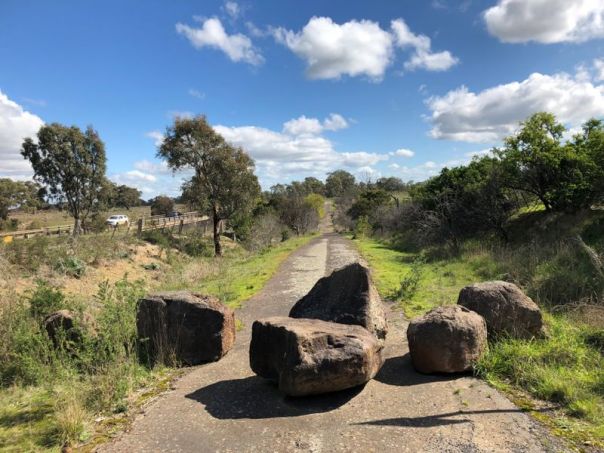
[[224, 407]]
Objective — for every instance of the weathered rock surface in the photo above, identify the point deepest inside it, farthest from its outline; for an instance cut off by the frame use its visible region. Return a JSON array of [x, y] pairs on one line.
[[185, 327], [310, 356], [347, 296], [505, 308], [64, 325], [448, 339]]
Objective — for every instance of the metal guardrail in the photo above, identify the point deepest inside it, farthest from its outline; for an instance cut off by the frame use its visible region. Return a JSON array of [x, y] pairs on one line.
[[142, 224]]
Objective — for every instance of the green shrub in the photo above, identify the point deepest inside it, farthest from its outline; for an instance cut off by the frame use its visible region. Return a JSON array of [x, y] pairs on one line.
[[45, 299], [196, 246], [362, 227], [71, 266], [410, 282]]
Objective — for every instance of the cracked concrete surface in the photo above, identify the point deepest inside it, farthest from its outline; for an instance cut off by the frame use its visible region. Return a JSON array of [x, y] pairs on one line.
[[224, 407]]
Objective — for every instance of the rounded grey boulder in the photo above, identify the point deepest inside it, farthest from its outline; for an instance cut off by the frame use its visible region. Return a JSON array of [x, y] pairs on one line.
[[505, 308], [448, 339], [309, 356]]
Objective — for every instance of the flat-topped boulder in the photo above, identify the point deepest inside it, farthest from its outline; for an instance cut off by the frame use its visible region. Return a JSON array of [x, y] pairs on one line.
[[448, 339], [310, 356], [184, 327], [505, 308], [347, 296]]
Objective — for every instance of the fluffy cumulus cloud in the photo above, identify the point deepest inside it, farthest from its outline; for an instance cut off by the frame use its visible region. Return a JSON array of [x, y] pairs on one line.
[[332, 50], [312, 126], [489, 115], [403, 152], [299, 149], [15, 125], [156, 136], [422, 57], [599, 68], [211, 33], [359, 48], [546, 21]]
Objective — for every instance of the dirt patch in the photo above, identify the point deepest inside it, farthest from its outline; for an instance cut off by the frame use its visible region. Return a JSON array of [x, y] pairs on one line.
[[136, 266]]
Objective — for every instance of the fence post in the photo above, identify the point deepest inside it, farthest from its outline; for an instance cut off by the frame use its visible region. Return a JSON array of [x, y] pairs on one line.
[[181, 225], [139, 227]]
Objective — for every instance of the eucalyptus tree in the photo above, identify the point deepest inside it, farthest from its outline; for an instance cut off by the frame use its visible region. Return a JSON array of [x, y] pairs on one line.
[[71, 164], [223, 182]]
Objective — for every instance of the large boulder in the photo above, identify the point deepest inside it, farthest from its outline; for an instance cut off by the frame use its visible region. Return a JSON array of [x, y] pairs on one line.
[[505, 308], [183, 327], [347, 296], [448, 339], [309, 356], [67, 329]]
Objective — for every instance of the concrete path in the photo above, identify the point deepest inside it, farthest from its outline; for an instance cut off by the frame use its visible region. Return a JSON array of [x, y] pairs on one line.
[[224, 407]]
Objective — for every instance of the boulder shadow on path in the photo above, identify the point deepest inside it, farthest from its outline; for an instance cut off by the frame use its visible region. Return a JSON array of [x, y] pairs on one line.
[[430, 421], [399, 371], [256, 398]]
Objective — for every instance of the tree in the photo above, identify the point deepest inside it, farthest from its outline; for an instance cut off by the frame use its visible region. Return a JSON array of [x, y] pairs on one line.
[[224, 181], [537, 162], [127, 197], [339, 183], [391, 184], [72, 164], [465, 200], [313, 185], [162, 205], [590, 143], [17, 194]]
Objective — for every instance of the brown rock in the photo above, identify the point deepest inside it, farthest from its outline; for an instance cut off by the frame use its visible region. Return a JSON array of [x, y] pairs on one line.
[[448, 339], [309, 356], [347, 296], [183, 327], [505, 308], [64, 325]]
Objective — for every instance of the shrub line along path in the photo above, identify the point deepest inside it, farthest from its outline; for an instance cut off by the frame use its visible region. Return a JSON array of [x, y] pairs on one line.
[[224, 407]]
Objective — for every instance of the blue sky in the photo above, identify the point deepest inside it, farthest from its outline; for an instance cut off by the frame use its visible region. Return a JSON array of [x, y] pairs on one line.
[[378, 88]]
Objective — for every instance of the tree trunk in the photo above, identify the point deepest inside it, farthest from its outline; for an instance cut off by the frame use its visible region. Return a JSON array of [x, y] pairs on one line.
[[216, 222], [77, 227]]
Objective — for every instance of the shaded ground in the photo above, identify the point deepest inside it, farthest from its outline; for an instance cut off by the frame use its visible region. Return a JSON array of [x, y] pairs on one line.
[[224, 407]]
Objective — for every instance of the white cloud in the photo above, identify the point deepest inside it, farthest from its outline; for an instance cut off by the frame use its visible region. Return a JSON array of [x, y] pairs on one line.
[[16, 124], [197, 94], [302, 126], [599, 67], [152, 167], [237, 47], [422, 57], [157, 136], [359, 48], [298, 149], [312, 126], [480, 153], [403, 152], [546, 21], [139, 175], [335, 122], [491, 114], [232, 9], [355, 48]]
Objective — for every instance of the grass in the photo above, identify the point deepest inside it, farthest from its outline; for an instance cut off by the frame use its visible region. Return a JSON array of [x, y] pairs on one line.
[[439, 281], [565, 369], [51, 397], [235, 277]]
